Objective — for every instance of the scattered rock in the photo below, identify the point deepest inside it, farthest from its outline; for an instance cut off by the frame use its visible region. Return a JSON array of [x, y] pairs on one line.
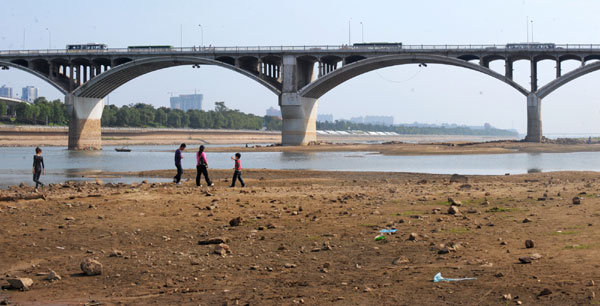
[[289, 265], [453, 210], [399, 260], [216, 240], [236, 221], [591, 283], [457, 178], [115, 253], [53, 276], [544, 292], [99, 182], [222, 249], [525, 259], [529, 243], [507, 297], [413, 236], [90, 267], [454, 202], [527, 220], [20, 283], [576, 200]]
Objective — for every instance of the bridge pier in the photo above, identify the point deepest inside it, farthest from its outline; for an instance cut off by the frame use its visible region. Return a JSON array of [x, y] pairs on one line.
[[84, 126], [534, 118], [299, 119]]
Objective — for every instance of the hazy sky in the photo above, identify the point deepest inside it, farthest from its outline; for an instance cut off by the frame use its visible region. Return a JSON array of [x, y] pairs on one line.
[[435, 94]]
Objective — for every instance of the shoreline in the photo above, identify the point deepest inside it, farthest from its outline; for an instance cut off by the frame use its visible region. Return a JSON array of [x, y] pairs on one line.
[[262, 141]]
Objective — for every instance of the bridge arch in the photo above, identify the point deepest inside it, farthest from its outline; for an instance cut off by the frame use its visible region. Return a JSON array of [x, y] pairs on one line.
[[326, 83], [37, 74], [566, 78], [103, 84]]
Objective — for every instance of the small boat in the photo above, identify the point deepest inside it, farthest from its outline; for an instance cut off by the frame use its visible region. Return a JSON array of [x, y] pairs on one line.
[[123, 149]]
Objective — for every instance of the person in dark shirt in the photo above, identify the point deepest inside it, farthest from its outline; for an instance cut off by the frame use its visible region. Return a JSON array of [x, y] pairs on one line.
[[38, 167], [237, 173], [178, 158], [202, 167]]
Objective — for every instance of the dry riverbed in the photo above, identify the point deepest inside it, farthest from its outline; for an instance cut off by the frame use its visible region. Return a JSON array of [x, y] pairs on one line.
[[294, 237]]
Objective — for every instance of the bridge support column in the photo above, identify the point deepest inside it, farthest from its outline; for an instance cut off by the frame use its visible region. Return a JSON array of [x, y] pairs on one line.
[[299, 119], [84, 126], [534, 118]]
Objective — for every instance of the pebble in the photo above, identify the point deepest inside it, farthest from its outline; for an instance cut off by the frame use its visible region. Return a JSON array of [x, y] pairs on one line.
[[289, 265], [529, 243], [222, 249], [52, 276], [90, 267], [453, 210], [20, 283], [576, 200], [236, 221], [527, 220], [546, 291], [413, 236]]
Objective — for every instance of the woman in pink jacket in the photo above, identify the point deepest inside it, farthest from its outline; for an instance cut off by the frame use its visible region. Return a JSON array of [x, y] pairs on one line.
[[202, 167]]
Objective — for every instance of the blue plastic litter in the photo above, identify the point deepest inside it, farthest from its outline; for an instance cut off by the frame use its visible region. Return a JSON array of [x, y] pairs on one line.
[[438, 278], [386, 230]]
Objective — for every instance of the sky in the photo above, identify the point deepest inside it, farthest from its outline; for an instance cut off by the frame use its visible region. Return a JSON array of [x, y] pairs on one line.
[[433, 94]]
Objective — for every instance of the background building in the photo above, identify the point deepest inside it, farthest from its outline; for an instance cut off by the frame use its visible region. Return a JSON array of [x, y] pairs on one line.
[[29, 94], [325, 118], [187, 102], [379, 120], [271, 111], [6, 91]]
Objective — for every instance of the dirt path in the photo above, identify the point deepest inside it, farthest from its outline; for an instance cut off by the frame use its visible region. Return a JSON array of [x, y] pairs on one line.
[[308, 237]]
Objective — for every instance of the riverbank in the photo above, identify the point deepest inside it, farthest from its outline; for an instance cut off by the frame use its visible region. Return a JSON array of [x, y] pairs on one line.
[[307, 237]]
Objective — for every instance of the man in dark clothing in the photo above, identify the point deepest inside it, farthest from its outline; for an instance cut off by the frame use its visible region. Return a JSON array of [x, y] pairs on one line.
[[178, 158], [38, 167]]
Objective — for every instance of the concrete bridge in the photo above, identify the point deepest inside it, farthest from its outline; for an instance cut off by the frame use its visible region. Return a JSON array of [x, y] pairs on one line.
[[298, 75]]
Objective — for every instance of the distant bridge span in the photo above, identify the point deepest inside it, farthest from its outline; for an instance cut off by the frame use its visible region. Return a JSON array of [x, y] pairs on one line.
[[87, 76]]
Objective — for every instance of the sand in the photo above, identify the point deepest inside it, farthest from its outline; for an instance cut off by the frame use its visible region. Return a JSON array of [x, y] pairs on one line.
[[307, 237]]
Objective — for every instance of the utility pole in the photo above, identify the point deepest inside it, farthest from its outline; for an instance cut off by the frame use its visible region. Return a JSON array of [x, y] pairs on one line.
[[349, 32], [532, 31], [201, 36], [362, 32], [49, 39], [527, 24]]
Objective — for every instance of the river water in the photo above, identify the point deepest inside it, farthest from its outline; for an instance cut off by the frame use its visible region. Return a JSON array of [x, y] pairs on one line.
[[62, 165]]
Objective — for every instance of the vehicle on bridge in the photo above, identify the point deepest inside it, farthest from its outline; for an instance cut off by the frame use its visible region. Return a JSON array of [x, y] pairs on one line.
[[532, 45], [150, 48], [377, 45], [85, 47]]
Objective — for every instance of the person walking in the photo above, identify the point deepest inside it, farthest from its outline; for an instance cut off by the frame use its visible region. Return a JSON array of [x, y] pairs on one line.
[[38, 167], [202, 167], [178, 158], [237, 173]]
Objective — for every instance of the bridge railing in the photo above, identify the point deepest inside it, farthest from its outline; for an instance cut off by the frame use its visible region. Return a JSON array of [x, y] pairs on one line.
[[308, 48]]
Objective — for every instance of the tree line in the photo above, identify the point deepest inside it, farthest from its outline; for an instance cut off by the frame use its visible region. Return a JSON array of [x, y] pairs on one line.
[[343, 125], [42, 111], [222, 117]]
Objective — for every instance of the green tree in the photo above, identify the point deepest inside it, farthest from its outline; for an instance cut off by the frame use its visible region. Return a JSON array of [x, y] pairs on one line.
[[3, 108]]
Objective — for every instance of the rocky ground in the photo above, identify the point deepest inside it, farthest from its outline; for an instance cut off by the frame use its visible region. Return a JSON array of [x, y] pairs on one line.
[[304, 237]]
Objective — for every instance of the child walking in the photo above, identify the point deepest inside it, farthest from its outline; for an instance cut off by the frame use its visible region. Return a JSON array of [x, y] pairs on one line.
[[38, 167], [237, 173], [202, 167]]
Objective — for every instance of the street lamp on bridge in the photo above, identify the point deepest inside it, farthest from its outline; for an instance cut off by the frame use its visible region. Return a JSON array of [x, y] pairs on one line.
[[201, 36], [49, 39]]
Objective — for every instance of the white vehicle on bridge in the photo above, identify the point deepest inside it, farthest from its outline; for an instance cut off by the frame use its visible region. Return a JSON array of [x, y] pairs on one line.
[[532, 45], [150, 48], [86, 47], [378, 45]]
